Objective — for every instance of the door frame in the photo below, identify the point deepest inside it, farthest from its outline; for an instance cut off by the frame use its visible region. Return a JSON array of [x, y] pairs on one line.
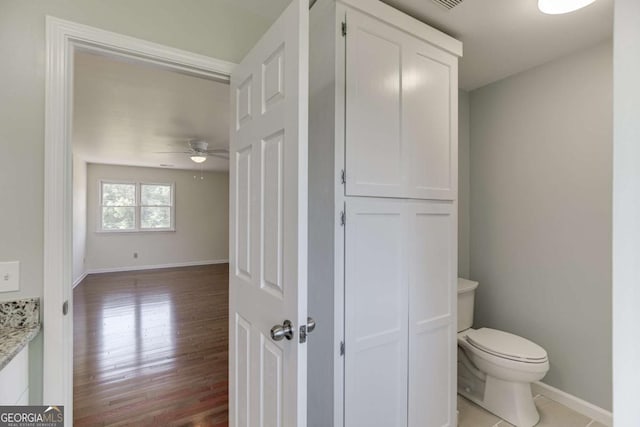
[[63, 39]]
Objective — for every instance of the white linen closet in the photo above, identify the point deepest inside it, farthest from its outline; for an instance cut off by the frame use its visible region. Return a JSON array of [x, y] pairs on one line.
[[382, 218]]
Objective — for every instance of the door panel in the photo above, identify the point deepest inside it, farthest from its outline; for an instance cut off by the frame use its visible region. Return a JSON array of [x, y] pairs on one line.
[[243, 230], [242, 371], [401, 113], [375, 314], [272, 226], [270, 383], [432, 313], [427, 126], [374, 147], [268, 188]]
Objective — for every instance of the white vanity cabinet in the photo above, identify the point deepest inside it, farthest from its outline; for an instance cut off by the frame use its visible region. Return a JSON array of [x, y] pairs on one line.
[[382, 218], [14, 380], [400, 119]]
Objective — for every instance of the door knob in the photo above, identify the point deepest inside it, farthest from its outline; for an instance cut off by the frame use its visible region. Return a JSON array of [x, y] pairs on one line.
[[307, 329], [311, 324], [278, 332]]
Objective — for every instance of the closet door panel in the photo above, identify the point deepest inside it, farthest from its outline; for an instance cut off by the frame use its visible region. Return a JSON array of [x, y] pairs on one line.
[[374, 146], [432, 313], [427, 127], [375, 314]]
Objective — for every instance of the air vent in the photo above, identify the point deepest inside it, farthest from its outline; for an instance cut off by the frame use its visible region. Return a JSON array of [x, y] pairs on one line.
[[448, 4]]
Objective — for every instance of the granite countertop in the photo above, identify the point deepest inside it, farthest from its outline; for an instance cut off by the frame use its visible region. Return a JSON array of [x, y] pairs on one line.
[[19, 324]]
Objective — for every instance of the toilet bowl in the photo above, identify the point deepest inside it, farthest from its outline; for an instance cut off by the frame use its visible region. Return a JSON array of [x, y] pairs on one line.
[[496, 368]]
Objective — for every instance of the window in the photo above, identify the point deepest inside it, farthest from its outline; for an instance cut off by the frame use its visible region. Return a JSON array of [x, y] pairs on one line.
[[130, 206], [118, 206], [155, 206]]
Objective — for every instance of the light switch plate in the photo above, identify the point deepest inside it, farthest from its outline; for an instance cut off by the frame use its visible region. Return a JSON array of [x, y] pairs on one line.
[[9, 276]]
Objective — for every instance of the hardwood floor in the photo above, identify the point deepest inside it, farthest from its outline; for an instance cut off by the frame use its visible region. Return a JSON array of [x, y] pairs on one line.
[[151, 348]]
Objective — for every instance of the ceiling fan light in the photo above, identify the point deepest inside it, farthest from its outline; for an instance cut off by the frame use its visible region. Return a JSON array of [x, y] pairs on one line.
[[198, 158], [557, 7]]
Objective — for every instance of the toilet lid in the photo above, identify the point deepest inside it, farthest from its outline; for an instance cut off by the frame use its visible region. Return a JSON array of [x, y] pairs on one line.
[[506, 345]]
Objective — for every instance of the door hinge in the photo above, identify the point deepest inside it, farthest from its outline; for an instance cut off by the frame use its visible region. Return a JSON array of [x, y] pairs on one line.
[[341, 348], [344, 29], [343, 218], [343, 177]]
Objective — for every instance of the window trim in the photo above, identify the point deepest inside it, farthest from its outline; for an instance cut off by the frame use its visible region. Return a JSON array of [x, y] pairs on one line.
[[137, 207]]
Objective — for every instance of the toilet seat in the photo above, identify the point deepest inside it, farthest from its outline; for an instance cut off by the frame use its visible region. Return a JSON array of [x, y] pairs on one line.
[[506, 346]]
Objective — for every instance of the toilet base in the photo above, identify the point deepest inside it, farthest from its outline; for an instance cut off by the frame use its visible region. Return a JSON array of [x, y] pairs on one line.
[[511, 401]]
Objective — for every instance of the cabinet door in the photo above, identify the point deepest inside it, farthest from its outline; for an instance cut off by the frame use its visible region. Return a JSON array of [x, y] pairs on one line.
[[375, 314], [401, 113], [430, 126], [14, 379], [432, 274], [374, 148]]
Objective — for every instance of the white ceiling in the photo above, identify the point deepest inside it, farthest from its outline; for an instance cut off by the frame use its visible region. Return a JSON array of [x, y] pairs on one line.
[[504, 37], [500, 37], [124, 112]]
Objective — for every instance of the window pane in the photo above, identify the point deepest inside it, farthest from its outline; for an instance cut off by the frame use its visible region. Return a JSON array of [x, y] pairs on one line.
[[118, 218], [155, 195], [118, 194], [155, 217]]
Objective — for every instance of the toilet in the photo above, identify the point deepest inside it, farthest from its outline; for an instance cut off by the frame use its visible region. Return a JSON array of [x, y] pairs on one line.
[[496, 368]]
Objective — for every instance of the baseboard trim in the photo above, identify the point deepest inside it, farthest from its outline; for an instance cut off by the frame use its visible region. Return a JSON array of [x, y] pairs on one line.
[[80, 279], [156, 266], [588, 409]]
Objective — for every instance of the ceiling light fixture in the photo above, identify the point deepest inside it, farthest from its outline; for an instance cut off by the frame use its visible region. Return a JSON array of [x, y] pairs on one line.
[[557, 7], [198, 158]]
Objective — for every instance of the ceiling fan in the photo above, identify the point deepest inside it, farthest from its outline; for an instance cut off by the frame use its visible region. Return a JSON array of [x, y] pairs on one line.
[[198, 151]]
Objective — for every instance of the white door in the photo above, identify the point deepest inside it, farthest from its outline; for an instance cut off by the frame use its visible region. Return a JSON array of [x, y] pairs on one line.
[[375, 313], [430, 126], [400, 313], [268, 227], [401, 113], [374, 147], [433, 295]]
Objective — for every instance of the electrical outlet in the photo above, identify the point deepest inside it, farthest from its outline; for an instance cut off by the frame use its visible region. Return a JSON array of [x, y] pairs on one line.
[[9, 276]]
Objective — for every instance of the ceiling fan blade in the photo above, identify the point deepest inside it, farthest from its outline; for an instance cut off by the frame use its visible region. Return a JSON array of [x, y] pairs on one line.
[[220, 156], [171, 152], [218, 151]]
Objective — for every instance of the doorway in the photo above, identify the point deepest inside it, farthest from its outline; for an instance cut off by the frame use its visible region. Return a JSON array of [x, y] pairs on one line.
[[64, 40], [150, 244]]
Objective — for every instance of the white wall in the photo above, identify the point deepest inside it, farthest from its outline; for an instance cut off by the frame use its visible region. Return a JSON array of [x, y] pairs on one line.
[[79, 218], [541, 153], [464, 185], [201, 221], [215, 28], [626, 212]]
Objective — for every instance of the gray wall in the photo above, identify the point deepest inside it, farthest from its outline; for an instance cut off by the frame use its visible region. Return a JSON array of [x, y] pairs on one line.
[[211, 27], [464, 185], [201, 221], [322, 180], [541, 153], [626, 211]]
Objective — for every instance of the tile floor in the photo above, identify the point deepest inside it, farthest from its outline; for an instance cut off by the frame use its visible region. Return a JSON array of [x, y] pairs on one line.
[[552, 414]]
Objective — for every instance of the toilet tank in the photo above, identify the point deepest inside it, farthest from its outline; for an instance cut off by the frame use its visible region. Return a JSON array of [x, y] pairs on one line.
[[466, 297]]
